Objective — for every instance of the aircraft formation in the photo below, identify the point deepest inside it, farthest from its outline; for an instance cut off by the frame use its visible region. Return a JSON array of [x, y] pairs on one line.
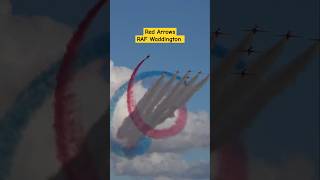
[[256, 29], [251, 50], [160, 102]]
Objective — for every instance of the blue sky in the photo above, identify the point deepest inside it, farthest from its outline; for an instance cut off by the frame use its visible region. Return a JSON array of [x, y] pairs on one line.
[[191, 18], [128, 18]]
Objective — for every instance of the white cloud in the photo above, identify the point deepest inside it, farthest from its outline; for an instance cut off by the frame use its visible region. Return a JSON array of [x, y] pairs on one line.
[[196, 134], [38, 145], [118, 75], [164, 160], [162, 165], [90, 89], [29, 44]]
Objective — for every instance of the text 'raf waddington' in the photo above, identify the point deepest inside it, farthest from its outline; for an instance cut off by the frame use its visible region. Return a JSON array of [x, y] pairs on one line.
[[160, 35]]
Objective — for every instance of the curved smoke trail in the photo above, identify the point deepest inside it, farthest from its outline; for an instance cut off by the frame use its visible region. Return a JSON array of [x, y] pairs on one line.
[[69, 134], [16, 119], [145, 142]]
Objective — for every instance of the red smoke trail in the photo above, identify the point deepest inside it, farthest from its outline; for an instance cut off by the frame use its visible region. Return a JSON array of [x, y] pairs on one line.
[[69, 134], [231, 162], [139, 121]]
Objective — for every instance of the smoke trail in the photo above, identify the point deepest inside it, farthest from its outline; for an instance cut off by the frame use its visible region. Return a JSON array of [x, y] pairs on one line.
[[32, 97], [233, 56], [96, 141], [96, 137], [177, 89], [69, 133], [218, 50], [226, 65], [139, 122], [147, 98], [232, 160], [236, 88], [184, 96], [231, 163], [241, 115], [282, 79], [262, 63], [161, 101], [158, 97], [127, 129], [230, 125], [194, 88], [143, 145]]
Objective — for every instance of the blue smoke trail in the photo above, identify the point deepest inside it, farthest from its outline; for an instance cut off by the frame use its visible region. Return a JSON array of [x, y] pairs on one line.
[[16, 119], [144, 143], [221, 52]]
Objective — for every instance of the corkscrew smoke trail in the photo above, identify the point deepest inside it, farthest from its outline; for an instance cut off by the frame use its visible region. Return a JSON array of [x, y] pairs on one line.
[[69, 134], [143, 145]]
